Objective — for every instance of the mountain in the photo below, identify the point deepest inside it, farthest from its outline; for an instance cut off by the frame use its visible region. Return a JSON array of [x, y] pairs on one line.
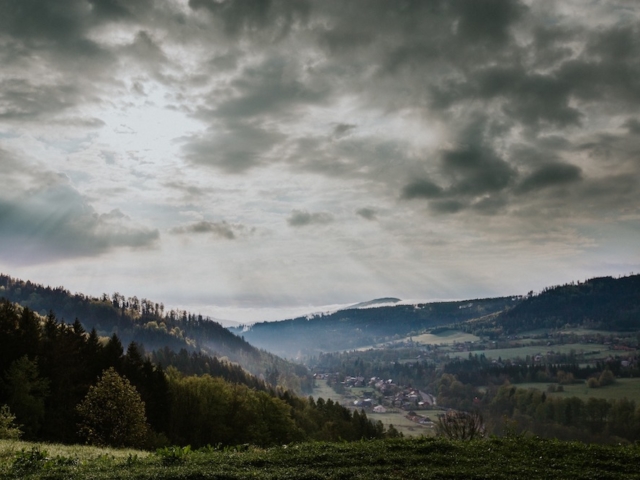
[[353, 328], [603, 303], [148, 324], [378, 302]]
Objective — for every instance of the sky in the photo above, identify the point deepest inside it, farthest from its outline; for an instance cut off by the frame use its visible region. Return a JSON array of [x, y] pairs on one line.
[[256, 159]]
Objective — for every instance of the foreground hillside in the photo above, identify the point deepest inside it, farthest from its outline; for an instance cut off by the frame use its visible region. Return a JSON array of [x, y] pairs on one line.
[[361, 327], [508, 458]]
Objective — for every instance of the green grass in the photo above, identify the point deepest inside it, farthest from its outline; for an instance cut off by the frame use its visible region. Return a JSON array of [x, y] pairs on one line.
[[623, 387], [447, 337], [408, 428], [514, 458], [591, 351]]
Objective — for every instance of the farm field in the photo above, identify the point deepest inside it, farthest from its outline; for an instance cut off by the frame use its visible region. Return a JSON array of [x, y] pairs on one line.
[[418, 458], [447, 337], [623, 387], [591, 351]]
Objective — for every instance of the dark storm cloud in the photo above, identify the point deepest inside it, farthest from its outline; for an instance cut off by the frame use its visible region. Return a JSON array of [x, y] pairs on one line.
[[512, 87], [553, 174], [248, 16], [302, 218], [342, 129], [219, 229], [233, 147], [20, 99], [421, 188], [367, 213], [269, 88], [486, 20], [476, 170]]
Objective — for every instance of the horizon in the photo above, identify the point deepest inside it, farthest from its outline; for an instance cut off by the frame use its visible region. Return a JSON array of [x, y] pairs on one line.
[[250, 159], [231, 317]]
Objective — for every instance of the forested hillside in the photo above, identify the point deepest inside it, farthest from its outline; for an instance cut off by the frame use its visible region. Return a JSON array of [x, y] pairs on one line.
[[354, 328], [606, 303], [148, 323], [63, 384]]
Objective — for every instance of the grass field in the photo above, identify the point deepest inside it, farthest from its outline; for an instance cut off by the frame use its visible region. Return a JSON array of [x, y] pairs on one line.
[[623, 387], [447, 337], [421, 458], [591, 351]]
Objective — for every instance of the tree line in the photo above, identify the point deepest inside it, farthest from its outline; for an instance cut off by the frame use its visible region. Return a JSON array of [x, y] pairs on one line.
[[507, 409], [48, 368], [149, 323]]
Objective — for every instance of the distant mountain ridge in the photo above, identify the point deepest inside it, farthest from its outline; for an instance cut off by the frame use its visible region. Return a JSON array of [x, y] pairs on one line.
[[357, 327], [604, 303], [374, 303]]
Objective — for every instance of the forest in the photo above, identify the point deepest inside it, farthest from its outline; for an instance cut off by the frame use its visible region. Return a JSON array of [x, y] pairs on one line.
[[54, 376], [148, 323], [603, 303]]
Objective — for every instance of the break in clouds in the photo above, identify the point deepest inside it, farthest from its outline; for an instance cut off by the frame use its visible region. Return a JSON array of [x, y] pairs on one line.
[[428, 120]]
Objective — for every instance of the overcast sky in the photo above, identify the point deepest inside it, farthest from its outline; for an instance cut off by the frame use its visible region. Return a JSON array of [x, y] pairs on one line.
[[253, 159]]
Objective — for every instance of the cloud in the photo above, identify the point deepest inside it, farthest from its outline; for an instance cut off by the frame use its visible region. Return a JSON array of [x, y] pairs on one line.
[[367, 213], [233, 148], [552, 174], [219, 229], [421, 188], [43, 218], [255, 16], [342, 130], [302, 218], [57, 222]]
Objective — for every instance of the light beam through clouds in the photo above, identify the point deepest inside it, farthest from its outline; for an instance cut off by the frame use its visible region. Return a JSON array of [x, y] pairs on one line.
[[248, 158]]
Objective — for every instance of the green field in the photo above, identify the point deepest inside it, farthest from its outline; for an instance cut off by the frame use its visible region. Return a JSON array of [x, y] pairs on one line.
[[623, 387], [421, 458], [447, 337], [590, 350]]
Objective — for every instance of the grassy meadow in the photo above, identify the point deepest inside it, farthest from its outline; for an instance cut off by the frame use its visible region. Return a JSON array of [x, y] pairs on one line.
[[419, 458], [622, 388], [447, 337], [591, 351]]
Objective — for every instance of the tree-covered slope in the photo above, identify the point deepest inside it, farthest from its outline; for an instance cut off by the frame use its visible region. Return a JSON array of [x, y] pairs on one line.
[[63, 384], [148, 323], [354, 328], [606, 303]]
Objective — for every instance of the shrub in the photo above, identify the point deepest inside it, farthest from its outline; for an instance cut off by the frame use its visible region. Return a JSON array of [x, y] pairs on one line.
[[173, 455], [460, 425], [8, 428]]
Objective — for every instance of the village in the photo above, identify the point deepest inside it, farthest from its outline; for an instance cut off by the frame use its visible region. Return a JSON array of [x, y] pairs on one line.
[[379, 396]]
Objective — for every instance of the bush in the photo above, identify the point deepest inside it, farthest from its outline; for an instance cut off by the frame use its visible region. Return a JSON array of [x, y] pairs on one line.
[[8, 428], [460, 425], [173, 455]]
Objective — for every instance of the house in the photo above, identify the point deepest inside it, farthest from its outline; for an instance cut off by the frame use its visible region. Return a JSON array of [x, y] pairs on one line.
[[379, 409]]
